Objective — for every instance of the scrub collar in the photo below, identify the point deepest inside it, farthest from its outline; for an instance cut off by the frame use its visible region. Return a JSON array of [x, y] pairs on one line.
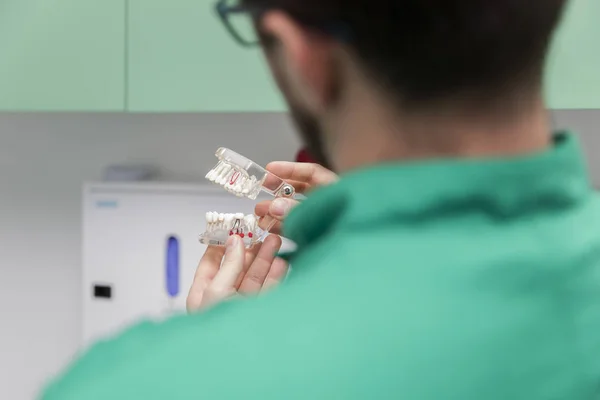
[[418, 192]]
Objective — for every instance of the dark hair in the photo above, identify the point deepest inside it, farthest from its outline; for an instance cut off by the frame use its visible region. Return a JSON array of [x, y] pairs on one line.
[[425, 50]]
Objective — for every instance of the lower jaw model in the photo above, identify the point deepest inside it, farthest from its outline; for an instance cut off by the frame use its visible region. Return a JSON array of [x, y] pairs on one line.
[[220, 226]]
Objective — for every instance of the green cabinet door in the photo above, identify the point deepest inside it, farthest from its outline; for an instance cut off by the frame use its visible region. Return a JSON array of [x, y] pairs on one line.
[[62, 55], [181, 59], [573, 75]]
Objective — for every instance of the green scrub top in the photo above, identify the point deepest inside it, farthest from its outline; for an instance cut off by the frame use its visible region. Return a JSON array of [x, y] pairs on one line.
[[452, 279]]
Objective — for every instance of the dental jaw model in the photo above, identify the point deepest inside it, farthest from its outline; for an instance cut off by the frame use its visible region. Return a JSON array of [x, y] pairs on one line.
[[243, 178], [219, 226]]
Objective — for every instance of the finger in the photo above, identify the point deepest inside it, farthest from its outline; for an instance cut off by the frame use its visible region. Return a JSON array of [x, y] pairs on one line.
[[309, 173], [232, 266], [249, 258], [209, 263], [259, 270], [207, 269], [262, 208], [276, 228], [277, 274], [272, 213], [278, 208], [261, 211]]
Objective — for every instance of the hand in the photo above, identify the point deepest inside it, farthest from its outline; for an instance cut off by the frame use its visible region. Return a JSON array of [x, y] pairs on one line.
[[303, 176], [226, 272]]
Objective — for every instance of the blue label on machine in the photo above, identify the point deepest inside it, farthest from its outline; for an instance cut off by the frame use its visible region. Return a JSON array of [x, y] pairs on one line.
[[172, 266], [107, 204]]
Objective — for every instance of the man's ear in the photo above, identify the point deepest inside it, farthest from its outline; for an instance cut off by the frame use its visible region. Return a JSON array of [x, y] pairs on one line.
[[304, 60]]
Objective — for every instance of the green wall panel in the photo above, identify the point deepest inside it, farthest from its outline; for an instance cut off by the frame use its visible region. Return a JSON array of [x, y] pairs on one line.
[[62, 55], [181, 58], [174, 55], [573, 76]]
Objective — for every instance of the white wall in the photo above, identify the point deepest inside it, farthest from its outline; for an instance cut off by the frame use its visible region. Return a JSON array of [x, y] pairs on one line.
[[43, 161], [44, 158]]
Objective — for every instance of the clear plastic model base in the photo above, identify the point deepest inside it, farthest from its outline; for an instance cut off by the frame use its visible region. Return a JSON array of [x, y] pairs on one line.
[[220, 226], [245, 178]]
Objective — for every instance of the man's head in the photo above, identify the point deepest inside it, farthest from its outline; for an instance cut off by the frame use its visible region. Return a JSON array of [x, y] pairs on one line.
[[415, 54]]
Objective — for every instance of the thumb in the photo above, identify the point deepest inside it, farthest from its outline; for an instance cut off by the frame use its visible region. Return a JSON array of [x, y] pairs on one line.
[[232, 266], [280, 207]]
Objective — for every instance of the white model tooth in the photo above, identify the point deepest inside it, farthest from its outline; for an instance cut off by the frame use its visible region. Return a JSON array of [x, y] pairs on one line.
[[252, 223], [228, 170], [228, 221], [211, 173], [219, 175], [221, 219], [214, 172], [227, 176], [250, 186], [235, 186], [218, 171], [239, 222], [246, 188], [221, 179], [248, 221], [234, 175], [239, 219]]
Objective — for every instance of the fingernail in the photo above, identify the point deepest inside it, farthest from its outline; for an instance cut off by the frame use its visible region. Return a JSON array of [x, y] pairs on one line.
[[279, 207]]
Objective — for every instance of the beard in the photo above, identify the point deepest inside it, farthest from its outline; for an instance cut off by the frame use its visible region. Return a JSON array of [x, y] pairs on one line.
[[306, 124], [311, 135]]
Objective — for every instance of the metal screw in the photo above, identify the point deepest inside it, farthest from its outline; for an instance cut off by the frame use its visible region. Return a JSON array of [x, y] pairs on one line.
[[288, 190]]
